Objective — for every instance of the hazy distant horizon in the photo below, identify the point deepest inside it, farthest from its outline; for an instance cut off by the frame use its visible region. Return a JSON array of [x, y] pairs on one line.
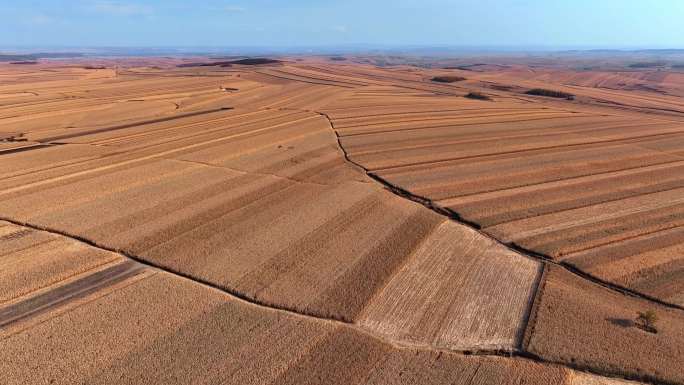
[[350, 49], [504, 24]]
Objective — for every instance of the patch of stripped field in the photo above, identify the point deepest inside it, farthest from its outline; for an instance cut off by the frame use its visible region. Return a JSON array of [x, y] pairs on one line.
[[39, 76], [325, 244], [399, 150], [9, 97], [650, 264], [393, 117], [125, 323], [504, 207], [76, 106], [333, 238], [634, 98], [584, 324], [72, 118], [401, 78], [138, 333], [32, 260], [44, 274], [536, 175], [658, 82], [185, 129], [192, 194], [234, 179], [453, 182], [450, 294], [581, 378], [304, 76], [311, 156]]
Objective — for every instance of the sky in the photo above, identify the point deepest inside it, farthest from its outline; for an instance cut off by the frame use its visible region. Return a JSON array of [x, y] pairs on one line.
[[300, 23]]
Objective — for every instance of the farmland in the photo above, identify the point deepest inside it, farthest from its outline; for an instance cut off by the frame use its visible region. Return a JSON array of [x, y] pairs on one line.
[[308, 221]]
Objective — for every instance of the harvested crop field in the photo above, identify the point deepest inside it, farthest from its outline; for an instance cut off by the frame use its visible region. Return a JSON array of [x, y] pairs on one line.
[[148, 326], [137, 333], [313, 222], [535, 173], [454, 269], [34, 260], [588, 326]]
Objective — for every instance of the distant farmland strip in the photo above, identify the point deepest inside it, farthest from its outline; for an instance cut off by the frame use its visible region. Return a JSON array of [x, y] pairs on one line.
[[124, 126]]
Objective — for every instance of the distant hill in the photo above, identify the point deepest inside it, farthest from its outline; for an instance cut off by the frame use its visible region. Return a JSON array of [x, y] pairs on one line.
[[35, 56]]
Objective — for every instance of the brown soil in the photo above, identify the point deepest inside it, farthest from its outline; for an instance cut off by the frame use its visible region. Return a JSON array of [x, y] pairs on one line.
[[252, 192], [587, 326]]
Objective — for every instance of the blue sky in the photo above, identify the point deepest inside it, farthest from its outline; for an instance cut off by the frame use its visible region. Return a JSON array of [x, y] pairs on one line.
[[287, 23]]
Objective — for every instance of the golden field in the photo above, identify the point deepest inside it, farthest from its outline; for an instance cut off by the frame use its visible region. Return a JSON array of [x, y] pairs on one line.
[[310, 222]]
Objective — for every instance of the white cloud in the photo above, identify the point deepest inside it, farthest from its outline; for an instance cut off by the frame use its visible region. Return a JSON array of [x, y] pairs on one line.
[[118, 8], [339, 28]]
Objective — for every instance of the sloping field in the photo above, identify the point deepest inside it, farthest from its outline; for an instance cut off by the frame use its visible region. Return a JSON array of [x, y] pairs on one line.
[[259, 202], [167, 210], [456, 269], [581, 378], [589, 326], [126, 323], [644, 91], [199, 225], [662, 82], [535, 175], [34, 260]]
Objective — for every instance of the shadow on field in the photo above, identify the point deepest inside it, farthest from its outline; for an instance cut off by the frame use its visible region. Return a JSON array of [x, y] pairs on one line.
[[622, 322]]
